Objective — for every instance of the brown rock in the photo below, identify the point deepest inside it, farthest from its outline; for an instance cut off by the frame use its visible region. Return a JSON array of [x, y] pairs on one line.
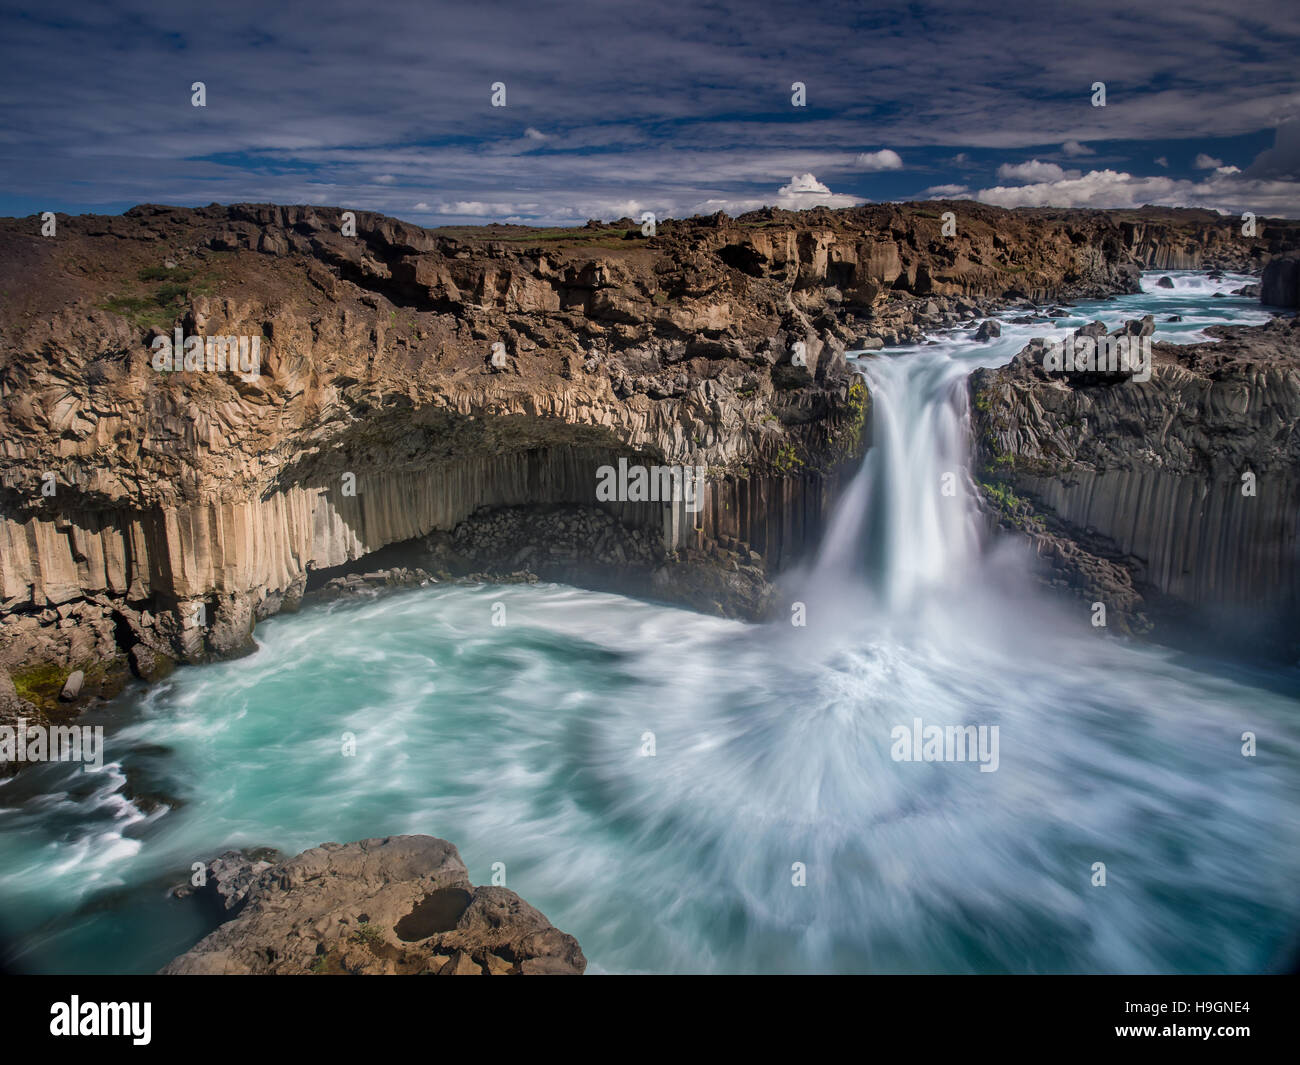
[[403, 904]]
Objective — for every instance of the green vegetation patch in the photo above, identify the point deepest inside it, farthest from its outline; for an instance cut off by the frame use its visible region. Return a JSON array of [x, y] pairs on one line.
[[160, 296], [787, 461], [41, 684]]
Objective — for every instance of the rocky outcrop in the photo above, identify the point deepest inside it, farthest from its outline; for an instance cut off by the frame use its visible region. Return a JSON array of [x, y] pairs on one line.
[[1280, 284], [409, 379], [400, 905], [1175, 501]]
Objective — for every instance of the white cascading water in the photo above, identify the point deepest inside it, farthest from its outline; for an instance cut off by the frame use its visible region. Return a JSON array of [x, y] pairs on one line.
[[909, 517]]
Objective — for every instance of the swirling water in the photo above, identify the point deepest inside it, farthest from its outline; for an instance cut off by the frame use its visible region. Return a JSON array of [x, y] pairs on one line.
[[525, 744]]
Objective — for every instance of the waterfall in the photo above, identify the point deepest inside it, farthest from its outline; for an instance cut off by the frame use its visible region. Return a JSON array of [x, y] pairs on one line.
[[909, 519]]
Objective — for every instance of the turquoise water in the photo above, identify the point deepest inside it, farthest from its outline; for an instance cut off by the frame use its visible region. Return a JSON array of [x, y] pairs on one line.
[[523, 744]]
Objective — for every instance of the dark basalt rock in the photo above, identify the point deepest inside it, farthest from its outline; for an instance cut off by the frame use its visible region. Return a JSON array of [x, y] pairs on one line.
[[1175, 501], [1280, 284]]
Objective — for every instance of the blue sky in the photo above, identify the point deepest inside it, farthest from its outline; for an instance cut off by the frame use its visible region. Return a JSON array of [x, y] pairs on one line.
[[614, 108]]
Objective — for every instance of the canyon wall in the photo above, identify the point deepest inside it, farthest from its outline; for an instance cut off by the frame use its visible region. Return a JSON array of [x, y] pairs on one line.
[[439, 373], [1176, 501]]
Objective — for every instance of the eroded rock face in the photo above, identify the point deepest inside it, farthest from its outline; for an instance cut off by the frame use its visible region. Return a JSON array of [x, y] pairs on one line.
[[400, 905], [1175, 501], [410, 378]]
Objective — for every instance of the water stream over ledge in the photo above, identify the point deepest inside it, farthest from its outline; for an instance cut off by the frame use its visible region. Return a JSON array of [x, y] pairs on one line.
[[522, 744]]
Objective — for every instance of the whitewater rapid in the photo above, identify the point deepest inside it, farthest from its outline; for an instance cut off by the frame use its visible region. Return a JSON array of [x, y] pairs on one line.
[[771, 829]]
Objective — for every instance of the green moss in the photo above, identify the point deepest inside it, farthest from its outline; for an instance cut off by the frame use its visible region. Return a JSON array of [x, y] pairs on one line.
[[40, 684], [1017, 511], [847, 442], [787, 460], [367, 933]]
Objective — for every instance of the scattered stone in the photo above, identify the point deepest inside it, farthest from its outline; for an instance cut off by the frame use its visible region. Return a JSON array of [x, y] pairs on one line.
[[72, 686], [148, 665]]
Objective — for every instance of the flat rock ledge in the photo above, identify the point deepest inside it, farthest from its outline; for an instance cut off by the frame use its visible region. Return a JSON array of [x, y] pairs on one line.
[[400, 905]]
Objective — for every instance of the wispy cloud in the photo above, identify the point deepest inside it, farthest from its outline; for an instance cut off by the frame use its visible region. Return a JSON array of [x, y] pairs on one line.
[[664, 103]]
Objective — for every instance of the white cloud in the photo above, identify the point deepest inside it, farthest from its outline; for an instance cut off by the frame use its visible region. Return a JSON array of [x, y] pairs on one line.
[[885, 159], [535, 134], [384, 179], [805, 191], [1109, 188], [802, 192], [1073, 148], [479, 209], [421, 206], [946, 192], [1225, 170], [1162, 161], [1033, 171], [1206, 162]]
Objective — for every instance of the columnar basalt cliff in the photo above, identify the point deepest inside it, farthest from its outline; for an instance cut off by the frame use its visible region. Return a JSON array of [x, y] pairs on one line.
[[1174, 501], [412, 381]]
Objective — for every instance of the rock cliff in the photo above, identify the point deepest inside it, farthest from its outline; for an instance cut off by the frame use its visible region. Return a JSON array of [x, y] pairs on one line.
[[1175, 501], [409, 381]]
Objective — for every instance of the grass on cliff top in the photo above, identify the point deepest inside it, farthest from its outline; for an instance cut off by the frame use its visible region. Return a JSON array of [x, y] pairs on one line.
[[164, 293], [578, 236]]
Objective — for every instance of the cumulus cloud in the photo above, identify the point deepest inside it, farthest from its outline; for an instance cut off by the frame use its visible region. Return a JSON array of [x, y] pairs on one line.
[[804, 190], [1206, 162], [1033, 171], [1225, 190], [535, 134], [1074, 148], [885, 159]]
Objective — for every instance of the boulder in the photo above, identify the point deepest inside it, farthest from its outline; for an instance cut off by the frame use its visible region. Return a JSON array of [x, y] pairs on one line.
[[988, 329], [1280, 284], [1138, 327], [228, 877], [399, 905], [148, 665], [72, 686]]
